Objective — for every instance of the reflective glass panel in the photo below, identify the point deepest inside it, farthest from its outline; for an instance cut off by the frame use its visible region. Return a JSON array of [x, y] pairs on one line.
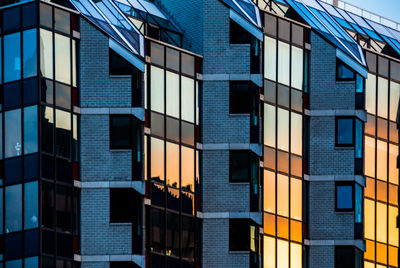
[[157, 89], [369, 219], [172, 92], [344, 131], [382, 97], [187, 168], [63, 96], [12, 126], [46, 53], [283, 254], [269, 224], [297, 67], [30, 130], [394, 100], [283, 62], [296, 201], [13, 208], [31, 197], [157, 159], [269, 252], [62, 21], [296, 253], [63, 58], [270, 58], [12, 59], [187, 64], [157, 54], [381, 222], [381, 165], [269, 125], [344, 197], [269, 191], [29, 52], [74, 67], [172, 164], [283, 129], [283, 195], [47, 116], [187, 103], [369, 157], [32, 262], [173, 59], [63, 133], [370, 87], [296, 134], [393, 230], [393, 170], [46, 15]]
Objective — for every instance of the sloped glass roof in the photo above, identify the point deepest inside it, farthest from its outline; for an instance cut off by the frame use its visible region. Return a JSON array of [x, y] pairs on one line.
[[106, 15], [247, 9], [314, 14]]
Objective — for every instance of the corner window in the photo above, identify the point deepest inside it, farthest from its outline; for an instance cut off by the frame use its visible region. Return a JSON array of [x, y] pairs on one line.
[[343, 72], [344, 131], [241, 165], [344, 196], [241, 97], [118, 65], [238, 35], [124, 205], [348, 257], [120, 132], [243, 235]]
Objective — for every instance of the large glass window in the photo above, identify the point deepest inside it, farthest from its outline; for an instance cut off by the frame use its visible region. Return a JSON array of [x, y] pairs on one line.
[[13, 208], [270, 58], [369, 157], [46, 53], [283, 129], [393, 230], [62, 58], [297, 67], [381, 157], [344, 132], [283, 254], [370, 87], [187, 103], [172, 164], [283, 62], [344, 197], [283, 195], [381, 222], [296, 199], [269, 191], [29, 52], [157, 89], [269, 252], [12, 126], [369, 219], [187, 167], [31, 201], [30, 130], [382, 97], [12, 59], [296, 133], [394, 100], [269, 125], [157, 159], [172, 92]]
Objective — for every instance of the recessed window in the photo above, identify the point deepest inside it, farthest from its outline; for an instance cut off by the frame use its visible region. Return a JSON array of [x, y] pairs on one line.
[[241, 97], [124, 205], [241, 165], [118, 65], [344, 73], [348, 257], [243, 235], [344, 131], [238, 35], [120, 132], [344, 197]]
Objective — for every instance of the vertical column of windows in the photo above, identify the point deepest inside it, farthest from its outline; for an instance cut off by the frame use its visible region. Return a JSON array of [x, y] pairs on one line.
[[284, 80]]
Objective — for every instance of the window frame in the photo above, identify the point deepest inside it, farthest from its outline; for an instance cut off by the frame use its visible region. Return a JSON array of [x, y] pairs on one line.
[[250, 155], [337, 118], [345, 183], [111, 135], [340, 79]]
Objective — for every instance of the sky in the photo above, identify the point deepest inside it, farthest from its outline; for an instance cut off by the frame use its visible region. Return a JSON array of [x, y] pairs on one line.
[[386, 8]]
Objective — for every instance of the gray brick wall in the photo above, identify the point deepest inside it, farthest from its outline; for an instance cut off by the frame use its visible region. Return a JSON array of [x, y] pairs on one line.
[[98, 89], [322, 257]]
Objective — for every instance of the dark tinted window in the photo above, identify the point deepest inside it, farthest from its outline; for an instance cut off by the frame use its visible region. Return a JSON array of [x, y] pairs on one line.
[[47, 115], [348, 257], [173, 234], [344, 72], [120, 132], [63, 209], [284, 30], [172, 59], [395, 70], [29, 15], [46, 15], [270, 24], [344, 131], [118, 65], [11, 19], [240, 163], [122, 204], [297, 34], [125, 264], [383, 66], [187, 66], [238, 35], [239, 98], [344, 196], [63, 96], [239, 235], [12, 95], [371, 61], [31, 94], [157, 54], [62, 21], [47, 205]]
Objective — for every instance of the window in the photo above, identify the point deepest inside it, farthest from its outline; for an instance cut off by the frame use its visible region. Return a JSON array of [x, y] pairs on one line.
[[270, 58], [344, 197], [343, 72], [348, 257], [120, 132], [240, 163], [124, 204], [239, 98], [344, 131], [125, 264], [118, 65], [29, 52], [238, 35], [12, 59], [62, 46], [242, 235]]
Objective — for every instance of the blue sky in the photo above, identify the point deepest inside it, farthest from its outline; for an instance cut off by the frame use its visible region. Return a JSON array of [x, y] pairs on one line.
[[386, 8]]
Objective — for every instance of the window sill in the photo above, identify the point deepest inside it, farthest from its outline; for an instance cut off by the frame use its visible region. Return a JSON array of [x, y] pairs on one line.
[[120, 224], [120, 76], [239, 183], [240, 45], [239, 252], [344, 147], [120, 150]]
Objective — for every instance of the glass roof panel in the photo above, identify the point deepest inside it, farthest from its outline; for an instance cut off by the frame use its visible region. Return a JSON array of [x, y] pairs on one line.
[[247, 9], [326, 25], [151, 8]]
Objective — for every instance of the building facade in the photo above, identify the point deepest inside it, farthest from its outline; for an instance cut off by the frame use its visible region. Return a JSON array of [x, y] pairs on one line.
[[198, 133]]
